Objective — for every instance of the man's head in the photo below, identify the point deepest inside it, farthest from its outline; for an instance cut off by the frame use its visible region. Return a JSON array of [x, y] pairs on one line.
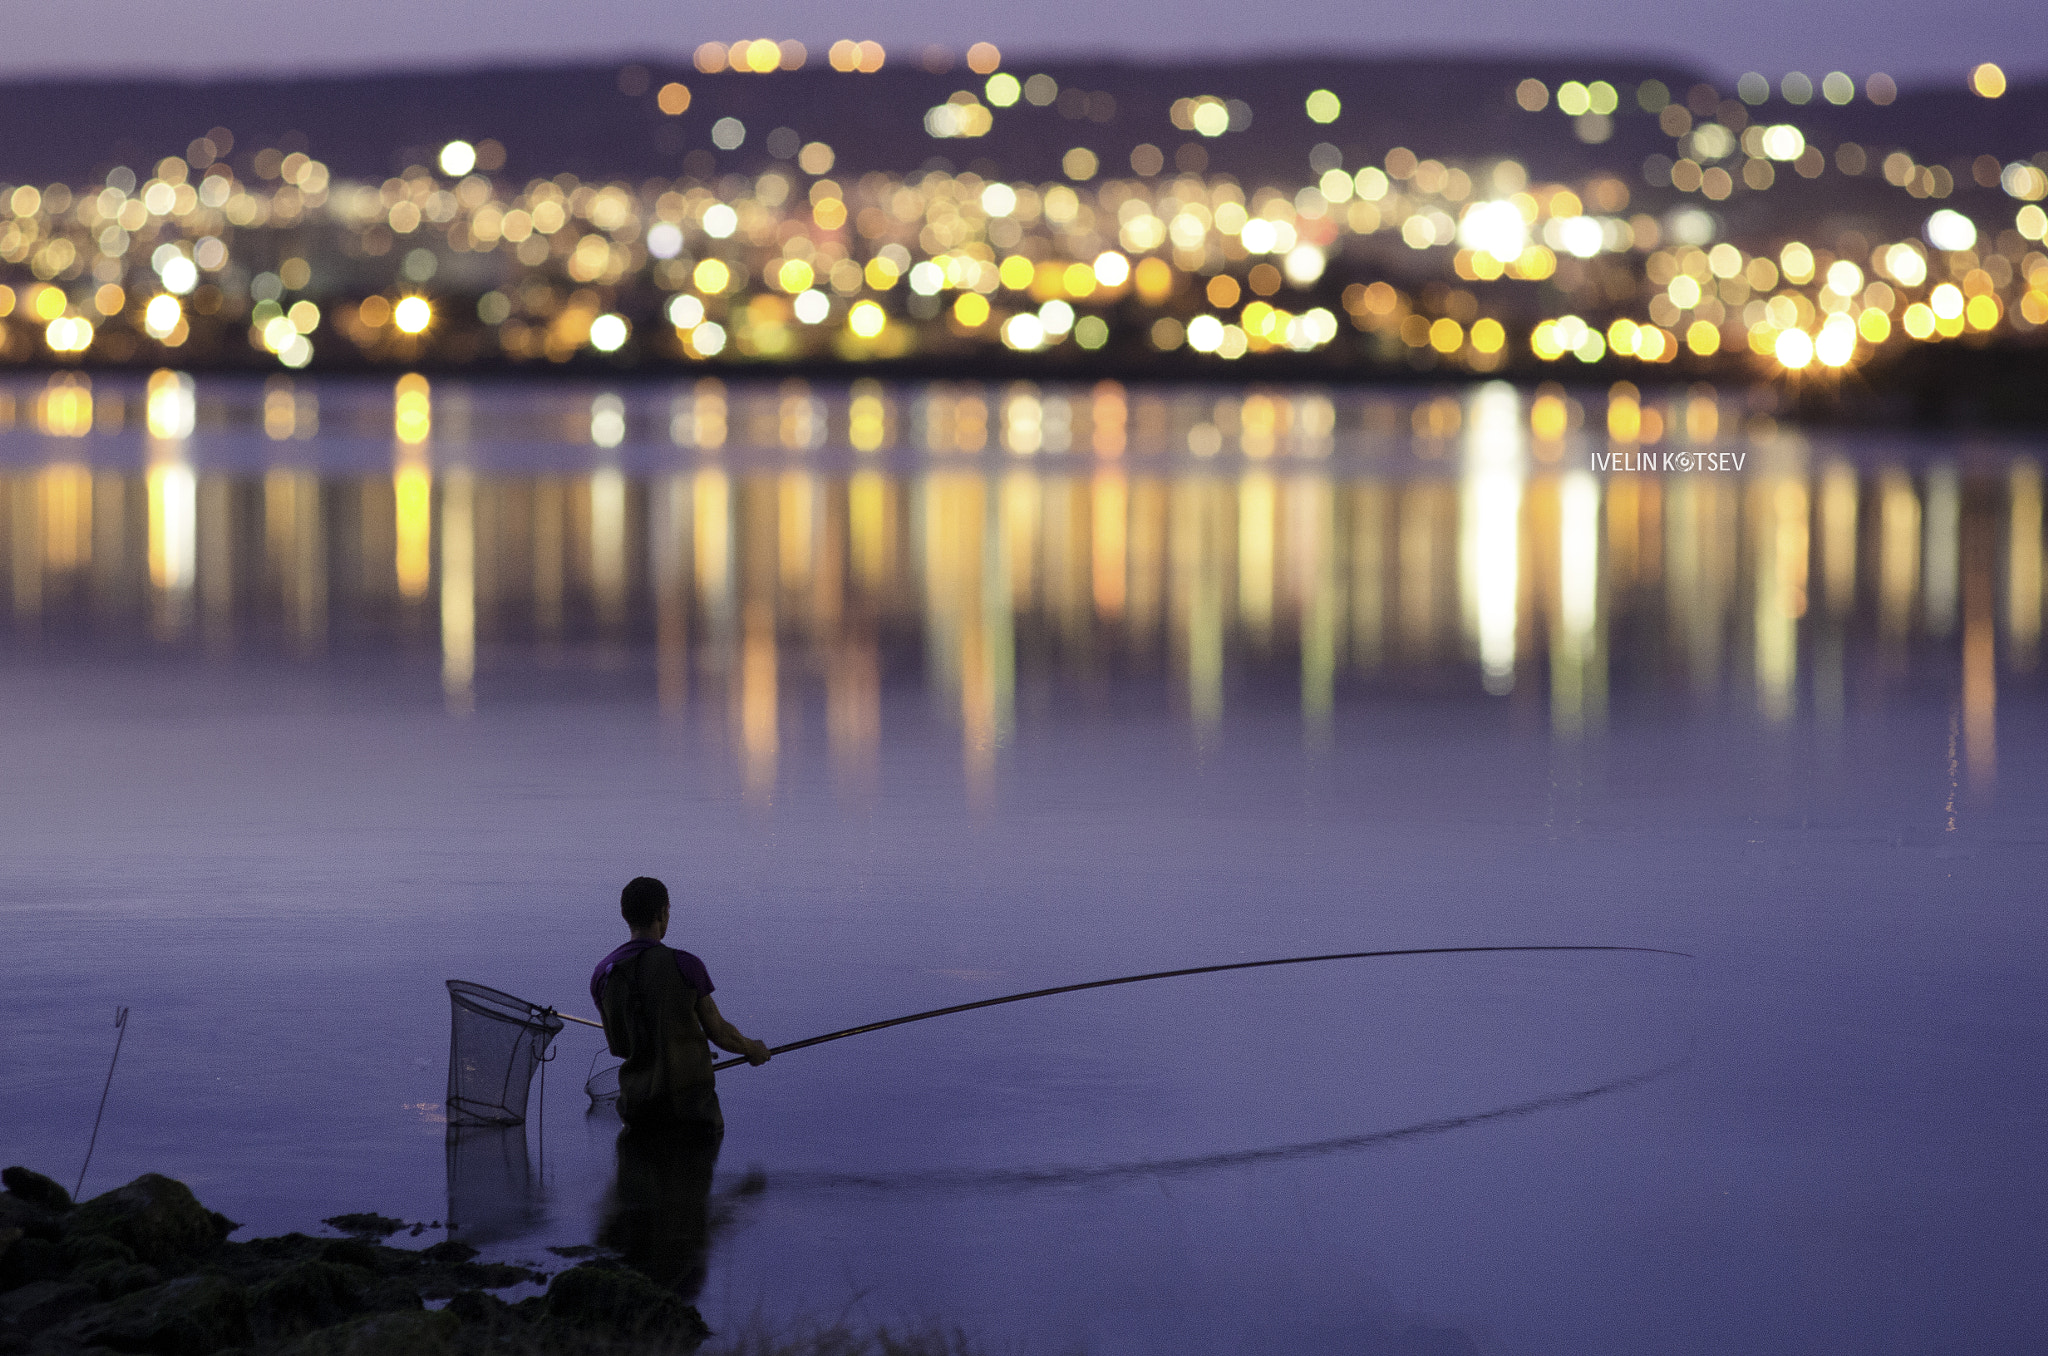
[[644, 904]]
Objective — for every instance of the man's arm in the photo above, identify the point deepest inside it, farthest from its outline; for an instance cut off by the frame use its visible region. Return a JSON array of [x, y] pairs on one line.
[[725, 1035]]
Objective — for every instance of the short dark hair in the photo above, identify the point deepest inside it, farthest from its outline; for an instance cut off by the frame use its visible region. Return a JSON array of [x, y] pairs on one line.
[[642, 901]]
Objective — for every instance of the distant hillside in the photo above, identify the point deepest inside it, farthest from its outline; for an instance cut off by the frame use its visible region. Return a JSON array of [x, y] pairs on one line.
[[576, 118]]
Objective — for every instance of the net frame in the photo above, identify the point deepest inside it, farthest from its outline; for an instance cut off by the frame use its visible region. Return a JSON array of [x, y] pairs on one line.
[[495, 1043]]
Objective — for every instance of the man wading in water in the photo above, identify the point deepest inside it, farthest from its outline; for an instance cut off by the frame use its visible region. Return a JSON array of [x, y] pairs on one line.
[[659, 1018]]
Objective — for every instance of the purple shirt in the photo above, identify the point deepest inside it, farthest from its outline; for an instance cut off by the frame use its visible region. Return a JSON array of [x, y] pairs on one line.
[[693, 970]]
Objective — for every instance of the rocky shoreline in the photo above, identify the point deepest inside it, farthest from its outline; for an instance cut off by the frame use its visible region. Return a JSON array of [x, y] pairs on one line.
[[145, 1268]]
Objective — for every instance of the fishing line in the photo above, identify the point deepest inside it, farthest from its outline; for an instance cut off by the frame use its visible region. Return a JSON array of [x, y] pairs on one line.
[[121, 1027], [1166, 1167]]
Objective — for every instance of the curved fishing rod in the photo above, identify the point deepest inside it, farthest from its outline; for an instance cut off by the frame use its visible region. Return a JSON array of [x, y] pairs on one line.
[[1172, 974]]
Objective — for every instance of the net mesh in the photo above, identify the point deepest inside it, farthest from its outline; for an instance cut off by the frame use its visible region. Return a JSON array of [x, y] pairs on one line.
[[495, 1042]]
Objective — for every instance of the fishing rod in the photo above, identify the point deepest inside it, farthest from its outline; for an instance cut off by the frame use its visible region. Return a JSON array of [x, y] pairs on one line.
[[1163, 974]]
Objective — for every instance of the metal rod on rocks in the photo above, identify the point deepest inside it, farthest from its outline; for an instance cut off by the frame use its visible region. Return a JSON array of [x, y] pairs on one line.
[[121, 1026]]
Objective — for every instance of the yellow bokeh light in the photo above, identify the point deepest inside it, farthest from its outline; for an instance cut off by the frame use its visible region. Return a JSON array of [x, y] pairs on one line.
[[1489, 335], [1874, 325], [68, 334], [1324, 106], [1078, 280], [412, 415], [1982, 312], [1796, 262], [412, 315], [971, 309], [413, 554], [882, 275], [1003, 89], [1209, 116], [163, 315], [866, 319], [1016, 273], [1919, 320], [1446, 335], [1703, 338], [794, 276], [1794, 349], [1836, 344], [1154, 280], [710, 276], [1987, 80]]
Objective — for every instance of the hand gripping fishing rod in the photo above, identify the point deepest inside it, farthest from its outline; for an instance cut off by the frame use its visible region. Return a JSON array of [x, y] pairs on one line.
[[1170, 974]]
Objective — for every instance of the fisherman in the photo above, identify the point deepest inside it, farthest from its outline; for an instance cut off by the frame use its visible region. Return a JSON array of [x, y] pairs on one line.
[[659, 1018]]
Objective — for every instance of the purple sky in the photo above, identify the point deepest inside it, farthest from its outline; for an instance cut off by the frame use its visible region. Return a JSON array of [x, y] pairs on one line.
[[1923, 41]]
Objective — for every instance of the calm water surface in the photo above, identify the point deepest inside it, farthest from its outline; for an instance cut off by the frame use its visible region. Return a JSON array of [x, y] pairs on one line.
[[316, 696]]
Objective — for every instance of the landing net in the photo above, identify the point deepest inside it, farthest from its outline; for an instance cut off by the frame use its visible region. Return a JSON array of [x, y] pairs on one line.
[[495, 1042]]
